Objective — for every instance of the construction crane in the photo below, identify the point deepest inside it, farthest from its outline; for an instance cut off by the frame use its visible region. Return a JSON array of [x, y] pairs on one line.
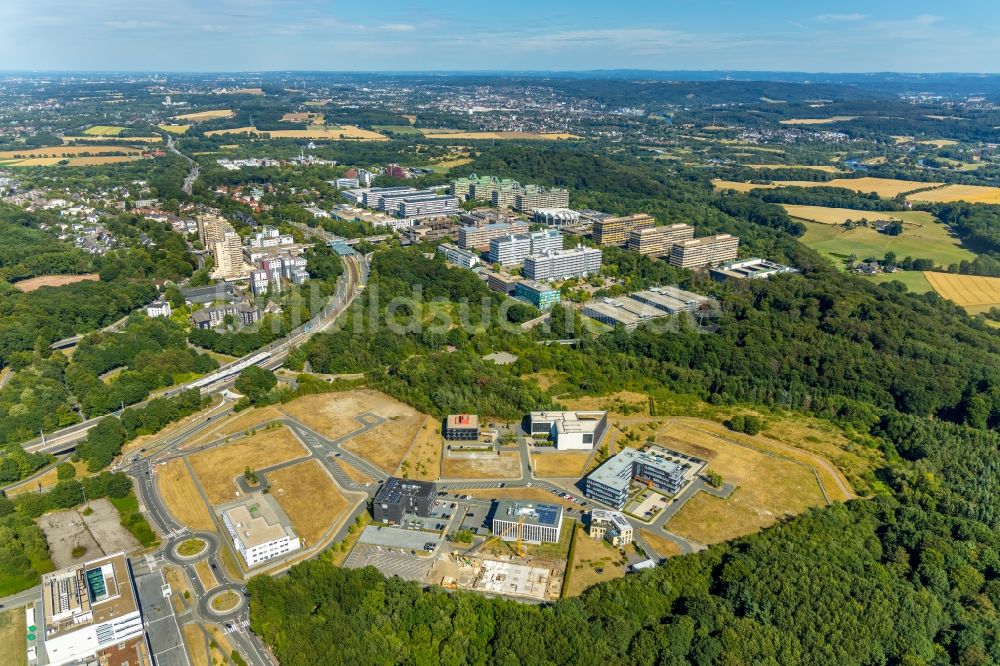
[[519, 541]]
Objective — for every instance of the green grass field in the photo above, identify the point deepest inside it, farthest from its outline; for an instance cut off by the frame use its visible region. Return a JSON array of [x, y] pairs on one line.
[[397, 129], [922, 237], [914, 280], [104, 130]]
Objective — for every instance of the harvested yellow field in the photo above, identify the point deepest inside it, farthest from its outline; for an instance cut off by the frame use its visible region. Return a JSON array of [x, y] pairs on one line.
[[423, 460], [560, 463], [328, 133], [939, 143], [99, 160], [247, 91], [825, 215], [104, 130], [181, 497], [825, 168], [307, 493], [217, 468], [817, 121], [175, 129], [123, 139], [201, 116], [975, 293], [507, 465], [720, 184], [61, 152], [498, 136], [34, 283], [968, 193], [768, 488]]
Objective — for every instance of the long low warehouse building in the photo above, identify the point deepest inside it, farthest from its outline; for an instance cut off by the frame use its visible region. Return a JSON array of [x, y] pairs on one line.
[[643, 306]]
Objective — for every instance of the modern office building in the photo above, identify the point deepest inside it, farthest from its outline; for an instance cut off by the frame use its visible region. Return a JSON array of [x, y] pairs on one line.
[[749, 269], [457, 256], [462, 427], [563, 264], [259, 528], [515, 248], [480, 188], [479, 236], [398, 497], [706, 251], [423, 205], [555, 217], [501, 282], [540, 295], [615, 230], [535, 196], [610, 525], [570, 431], [346, 183], [621, 311], [610, 483], [671, 300], [91, 608], [657, 241], [532, 523], [503, 195], [375, 197], [389, 201]]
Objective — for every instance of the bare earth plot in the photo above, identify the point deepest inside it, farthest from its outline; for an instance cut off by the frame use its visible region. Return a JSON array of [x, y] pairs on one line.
[[387, 444], [423, 461], [100, 533], [973, 292], [309, 496], [332, 414], [768, 487], [507, 465], [179, 493], [218, 467], [560, 463], [589, 556], [235, 424]]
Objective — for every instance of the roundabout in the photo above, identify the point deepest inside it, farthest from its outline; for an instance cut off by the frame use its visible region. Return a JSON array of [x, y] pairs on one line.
[[189, 548], [223, 602]]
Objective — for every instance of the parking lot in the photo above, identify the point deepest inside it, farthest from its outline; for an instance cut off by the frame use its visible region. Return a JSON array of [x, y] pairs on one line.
[[391, 562]]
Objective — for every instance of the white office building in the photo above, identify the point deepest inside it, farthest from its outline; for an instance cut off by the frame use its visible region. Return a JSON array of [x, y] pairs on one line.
[[531, 523], [515, 248], [563, 264], [89, 608], [457, 256], [610, 525], [570, 431], [260, 530]]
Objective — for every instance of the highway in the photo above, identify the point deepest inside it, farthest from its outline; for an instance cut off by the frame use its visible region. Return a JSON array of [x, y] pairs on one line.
[[192, 175], [348, 287]]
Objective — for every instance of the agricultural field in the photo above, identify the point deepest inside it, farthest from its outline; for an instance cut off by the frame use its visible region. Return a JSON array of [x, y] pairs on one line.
[[817, 121], [938, 143], [737, 186], [123, 139], [975, 293], [180, 495], [175, 129], [922, 237], [825, 168], [768, 487], [104, 130], [915, 281], [310, 498], [560, 464], [507, 465], [217, 468], [328, 133], [398, 129], [884, 187], [589, 555], [825, 215], [497, 136], [306, 117], [201, 116], [52, 155], [31, 284], [969, 193]]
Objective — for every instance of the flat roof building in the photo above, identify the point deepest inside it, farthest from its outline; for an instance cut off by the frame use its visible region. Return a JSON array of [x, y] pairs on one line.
[[534, 523], [398, 497], [461, 427], [477, 236], [535, 196], [563, 264], [457, 256], [540, 295], [656, 241], [610, 483], [749, 269], [91, 607], [555, 217], [621, 312], [610, 525], [705, 251], [615, 230], [501, 283], [515, 248], [670, 300], [570, 431], [260, 530], [419, 206]]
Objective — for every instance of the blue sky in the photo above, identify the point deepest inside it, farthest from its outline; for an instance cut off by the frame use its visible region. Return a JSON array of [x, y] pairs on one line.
[[245, 35]]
